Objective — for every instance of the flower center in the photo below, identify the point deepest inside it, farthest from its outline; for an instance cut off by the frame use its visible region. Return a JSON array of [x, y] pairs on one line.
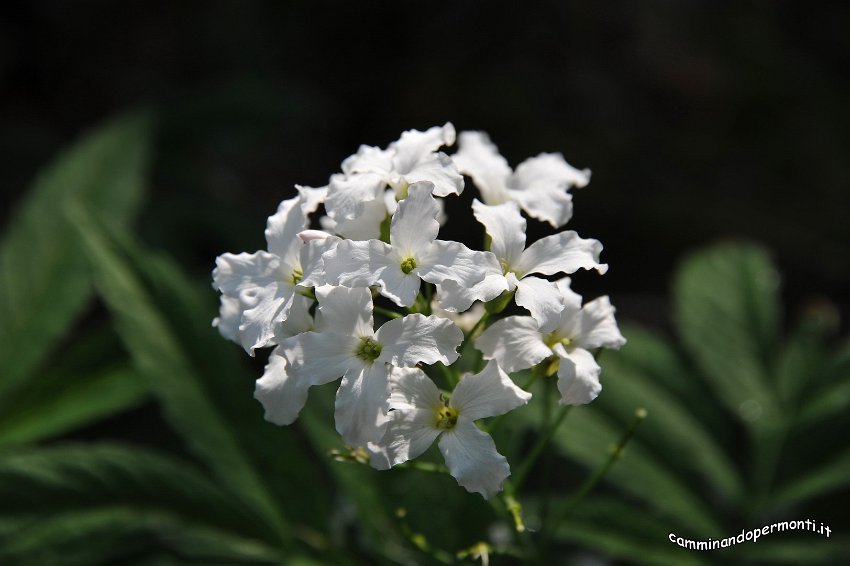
[[445, 417], [297, 276], [551, 339], [401, 190], [368, 350], [408, 264]]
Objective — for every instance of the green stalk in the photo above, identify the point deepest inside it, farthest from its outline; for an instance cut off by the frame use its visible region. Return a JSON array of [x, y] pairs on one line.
[[592, 481]]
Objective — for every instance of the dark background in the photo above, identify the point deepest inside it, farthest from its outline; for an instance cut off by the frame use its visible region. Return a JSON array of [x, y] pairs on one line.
[[701, 121]]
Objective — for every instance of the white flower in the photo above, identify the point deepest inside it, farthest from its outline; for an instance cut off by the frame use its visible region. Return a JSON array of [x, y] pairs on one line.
[[539, 184], [357, 203], [564, 252], [345, 344], [517, 343], [420, 414], [413, 254], [257, 289]]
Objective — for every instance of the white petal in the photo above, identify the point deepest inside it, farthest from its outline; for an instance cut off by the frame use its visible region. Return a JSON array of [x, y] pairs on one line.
[[564, 252], [398, 286], [480, 159], [235, 273], [347, 194], [344, 310], [298, 319], [456, 297], [312, 256], [447, 260], [412, 389], [229, 316], [506, 228], [320, 357], [553, 206], [358, 264], [261, 283], [417, 338], [258, 325], [543, 300], [598, 326], [366, 225], [368, 159], [515, 342], [578, 376], [472, 459], [548, 169], [541, 184], [311, 198], [414, 225], [440, 170], [413, 401], [568, 296], [361, 404], [282, 395], [487, 394], [414, 146], [282, 229]]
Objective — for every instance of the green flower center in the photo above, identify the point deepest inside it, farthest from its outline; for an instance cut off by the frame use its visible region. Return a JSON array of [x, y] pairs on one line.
[[408, 264], [552, 339], [297, 276], [445, 417], [368, 350]]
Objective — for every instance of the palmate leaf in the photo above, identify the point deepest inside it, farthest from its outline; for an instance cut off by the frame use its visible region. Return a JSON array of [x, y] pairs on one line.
[[586, 437], [622, 531], [44, 280], [727, 312], [156, 352], [675, 434], [52, 497]]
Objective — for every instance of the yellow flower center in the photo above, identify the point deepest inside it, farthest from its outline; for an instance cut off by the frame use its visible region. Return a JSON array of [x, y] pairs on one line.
[[408, 264], [445, 417], [368, 350]]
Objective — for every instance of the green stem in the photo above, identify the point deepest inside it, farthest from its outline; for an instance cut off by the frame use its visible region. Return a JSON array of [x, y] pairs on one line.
[[386, 312], [429, 467], [592, 481], [541, 444]]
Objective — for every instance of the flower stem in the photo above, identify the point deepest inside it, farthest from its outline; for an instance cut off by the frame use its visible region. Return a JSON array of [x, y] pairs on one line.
[[539, 446], [592, 481], [386, 312]]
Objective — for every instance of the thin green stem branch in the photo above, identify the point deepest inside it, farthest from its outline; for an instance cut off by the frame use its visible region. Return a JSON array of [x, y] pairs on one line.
[[593, 481], [541, 444], [386, 312]]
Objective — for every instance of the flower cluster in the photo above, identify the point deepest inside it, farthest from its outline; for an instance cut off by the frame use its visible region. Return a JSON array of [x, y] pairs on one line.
[[313, 293]]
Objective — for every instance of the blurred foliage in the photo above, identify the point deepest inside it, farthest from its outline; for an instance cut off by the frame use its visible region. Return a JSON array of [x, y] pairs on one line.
[[746, 422]]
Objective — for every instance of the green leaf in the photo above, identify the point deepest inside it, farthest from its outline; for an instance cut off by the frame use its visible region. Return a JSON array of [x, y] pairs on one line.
[[587, 437], [41, 482], [66, 401], [44, 282], [129, 536], [825, 479], [834, 398], [157, 354], [673, 433], [727, 312], [621, 530], [805, 356]]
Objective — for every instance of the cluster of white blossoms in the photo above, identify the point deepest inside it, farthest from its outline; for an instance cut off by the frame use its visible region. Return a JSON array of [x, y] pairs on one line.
[[311, 295]]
